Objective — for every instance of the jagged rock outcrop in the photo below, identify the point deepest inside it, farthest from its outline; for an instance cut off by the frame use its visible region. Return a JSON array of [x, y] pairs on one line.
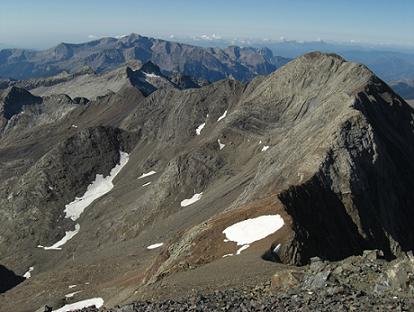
[[185, 82], [14, 99], [8, 279], [20, 109]]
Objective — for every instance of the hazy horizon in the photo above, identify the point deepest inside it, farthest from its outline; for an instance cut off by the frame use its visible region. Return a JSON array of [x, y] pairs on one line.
[[43, 24]]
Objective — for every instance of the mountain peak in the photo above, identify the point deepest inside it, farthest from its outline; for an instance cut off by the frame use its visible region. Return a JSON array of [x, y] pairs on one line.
[[323, 68], [322, 55], [151, 68], [13, 100]]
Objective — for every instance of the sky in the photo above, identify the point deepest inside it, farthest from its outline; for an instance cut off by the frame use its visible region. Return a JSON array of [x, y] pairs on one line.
[[45, 23]]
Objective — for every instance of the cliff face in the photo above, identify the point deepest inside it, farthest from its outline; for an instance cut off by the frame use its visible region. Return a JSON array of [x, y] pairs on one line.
[[360, 197]]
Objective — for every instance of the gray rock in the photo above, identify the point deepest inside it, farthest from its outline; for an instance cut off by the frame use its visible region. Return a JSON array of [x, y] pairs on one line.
[[319, 280]]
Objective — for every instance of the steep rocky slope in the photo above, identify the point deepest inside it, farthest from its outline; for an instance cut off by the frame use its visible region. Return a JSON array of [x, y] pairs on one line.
[[321, 142], [108, 53]]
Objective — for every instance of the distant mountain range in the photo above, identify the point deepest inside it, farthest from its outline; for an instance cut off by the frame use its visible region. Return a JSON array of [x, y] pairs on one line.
[[405, 88], [388, 62], [239, 59], [108, 53]]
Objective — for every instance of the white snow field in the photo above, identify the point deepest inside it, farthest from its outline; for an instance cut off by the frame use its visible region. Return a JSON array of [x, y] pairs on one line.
[[58, 245], [222, 116], [265, 148], [196, 197], [96, 189], [248, 231], [97, 302], [28, 274], [221, 145], [144, 175], [154, 246]]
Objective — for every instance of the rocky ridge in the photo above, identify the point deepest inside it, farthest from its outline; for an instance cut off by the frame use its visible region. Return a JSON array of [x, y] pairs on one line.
[[87, 84]]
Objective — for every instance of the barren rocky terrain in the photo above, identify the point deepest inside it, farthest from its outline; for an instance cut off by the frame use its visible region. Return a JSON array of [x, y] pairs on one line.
[[361, 283], [321, 143]]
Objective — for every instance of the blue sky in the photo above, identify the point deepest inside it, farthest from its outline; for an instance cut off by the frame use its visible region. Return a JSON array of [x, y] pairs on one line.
[[44, 23]]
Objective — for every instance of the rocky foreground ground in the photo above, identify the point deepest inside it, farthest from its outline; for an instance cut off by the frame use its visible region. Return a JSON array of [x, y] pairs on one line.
[[362, 283]]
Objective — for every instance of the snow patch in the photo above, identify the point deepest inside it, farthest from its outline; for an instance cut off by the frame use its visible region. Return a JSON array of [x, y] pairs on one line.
[[72, 286], [97, 302], [227, 255], [72, 294], [244, 247], [148, 183], [200, 127], [28, 274], [196, 197], [69, 235], [251, 230], [148, 75], [74, 126], [154, 246], [222, 116], [265, 148], [221, 145], [144, 175], [96, 189], [277, 248]]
